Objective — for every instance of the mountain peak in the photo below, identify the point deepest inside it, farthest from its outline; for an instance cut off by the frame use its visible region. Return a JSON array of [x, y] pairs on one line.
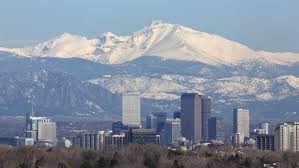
[[65, 35], [165, 40], [156, 22], [109, 34]]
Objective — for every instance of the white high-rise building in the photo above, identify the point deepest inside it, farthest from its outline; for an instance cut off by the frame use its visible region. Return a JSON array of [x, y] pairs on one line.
[[241, 122], [287, 137], [131, 109], [172, 132]]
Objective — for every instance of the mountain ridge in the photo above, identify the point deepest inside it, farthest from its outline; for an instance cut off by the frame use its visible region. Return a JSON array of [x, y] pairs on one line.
[[266, 89], [165, 40]]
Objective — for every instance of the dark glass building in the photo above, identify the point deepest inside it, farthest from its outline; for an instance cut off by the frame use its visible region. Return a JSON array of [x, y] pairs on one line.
[[216, 129], [118, 126], [206, 111], [265, 141], [177, 115], [156, 121], [145, 136], [191, 117]]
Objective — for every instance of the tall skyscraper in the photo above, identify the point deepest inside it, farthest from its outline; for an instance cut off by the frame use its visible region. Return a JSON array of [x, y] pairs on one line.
[[131, 109], [206, 111], [241, 122], [287, 137], [172, 131], [216, 129], [191, 117]]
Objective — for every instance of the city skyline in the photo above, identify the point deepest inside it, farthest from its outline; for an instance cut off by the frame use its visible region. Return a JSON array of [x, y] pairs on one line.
[[180, 84]]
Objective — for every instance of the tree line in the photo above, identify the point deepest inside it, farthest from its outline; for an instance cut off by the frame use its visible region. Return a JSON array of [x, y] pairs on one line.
[[144, 156]]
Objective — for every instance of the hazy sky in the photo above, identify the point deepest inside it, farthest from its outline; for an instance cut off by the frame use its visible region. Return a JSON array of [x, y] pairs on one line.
[[261, 24]]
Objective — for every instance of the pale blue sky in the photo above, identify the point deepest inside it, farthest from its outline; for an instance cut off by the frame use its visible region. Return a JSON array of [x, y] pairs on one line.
[[261, 24]]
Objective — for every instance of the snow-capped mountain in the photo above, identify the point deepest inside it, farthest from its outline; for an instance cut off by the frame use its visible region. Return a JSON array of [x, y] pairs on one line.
[[168, 41], [161, 62]]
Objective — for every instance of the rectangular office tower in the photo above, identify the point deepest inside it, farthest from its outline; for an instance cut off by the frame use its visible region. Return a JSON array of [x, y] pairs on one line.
[[216, 129], [206, 111], [131, 109], [156, 121], [241, 122], [46, 132], [191, 117], [287, 137], [172, 132]]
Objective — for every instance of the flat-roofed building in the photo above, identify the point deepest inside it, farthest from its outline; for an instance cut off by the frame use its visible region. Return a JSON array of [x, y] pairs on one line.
[[216, 129], [156, 121], [172, 132], [287, 137], [145, 136], [131, 109], [241, 122], [206, 112], [264, 141], [191, 117], [46, 132]]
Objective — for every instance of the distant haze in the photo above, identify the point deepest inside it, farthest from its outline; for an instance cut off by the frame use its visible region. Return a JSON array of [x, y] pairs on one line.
[[261, 25]]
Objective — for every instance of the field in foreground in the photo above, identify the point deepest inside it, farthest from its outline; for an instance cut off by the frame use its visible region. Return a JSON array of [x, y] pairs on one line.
[[147, 156]]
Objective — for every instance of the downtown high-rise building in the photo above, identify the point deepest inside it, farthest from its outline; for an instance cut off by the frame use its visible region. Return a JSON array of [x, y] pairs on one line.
[[172, 132], [241, 123], [156, 121], [195, 114], [131, 109], [206, 111], [191, 117], [287, 137], [216, 129], [42, 130]]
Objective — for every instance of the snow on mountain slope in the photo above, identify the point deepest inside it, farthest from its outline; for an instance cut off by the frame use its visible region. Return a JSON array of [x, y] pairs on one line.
[[153, 88], [64, 46], [235, 88], [169, 41]]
